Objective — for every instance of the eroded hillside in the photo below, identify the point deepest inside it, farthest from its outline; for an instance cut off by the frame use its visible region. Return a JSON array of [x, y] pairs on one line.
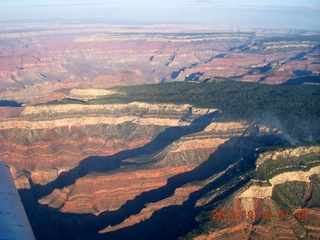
[[120, 162], [281, 201], [120, 165]]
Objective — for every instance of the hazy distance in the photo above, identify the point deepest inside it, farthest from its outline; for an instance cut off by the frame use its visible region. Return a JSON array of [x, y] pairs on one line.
[[298, 14]]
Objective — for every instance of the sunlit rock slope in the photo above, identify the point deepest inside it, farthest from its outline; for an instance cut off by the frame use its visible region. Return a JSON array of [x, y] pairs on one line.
[[43, 62]]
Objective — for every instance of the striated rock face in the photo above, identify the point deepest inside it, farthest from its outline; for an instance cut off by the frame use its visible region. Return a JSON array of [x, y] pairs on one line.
[[44, 63], [109, 170], [97, 194], [44, 141], [49, 116], [118, 164], [283, 196]]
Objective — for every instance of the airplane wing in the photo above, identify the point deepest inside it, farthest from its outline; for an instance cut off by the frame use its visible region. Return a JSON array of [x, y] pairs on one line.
[[14, 223]]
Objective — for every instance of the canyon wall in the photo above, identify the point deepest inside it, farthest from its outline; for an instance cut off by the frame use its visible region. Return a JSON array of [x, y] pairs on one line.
[[44, 141], [45, 62], [283, 195], [98, 161]]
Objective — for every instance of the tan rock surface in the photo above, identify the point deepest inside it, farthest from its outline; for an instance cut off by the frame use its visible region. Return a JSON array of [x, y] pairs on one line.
[[35, 64]]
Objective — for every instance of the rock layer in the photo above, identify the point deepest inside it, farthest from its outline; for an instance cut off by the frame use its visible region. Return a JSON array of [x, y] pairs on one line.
[[44, 141], [72, 156], [287, 203], [45, 64]]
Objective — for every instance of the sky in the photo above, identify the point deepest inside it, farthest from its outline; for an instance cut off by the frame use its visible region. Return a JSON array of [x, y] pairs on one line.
[[298, 14]]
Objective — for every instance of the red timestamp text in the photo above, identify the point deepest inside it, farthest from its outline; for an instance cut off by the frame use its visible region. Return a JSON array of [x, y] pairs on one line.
[[262, 214]]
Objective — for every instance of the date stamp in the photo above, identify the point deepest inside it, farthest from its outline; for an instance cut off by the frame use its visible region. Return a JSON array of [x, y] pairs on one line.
[[221, 214]]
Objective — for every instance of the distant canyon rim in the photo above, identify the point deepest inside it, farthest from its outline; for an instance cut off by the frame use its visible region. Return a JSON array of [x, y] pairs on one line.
[[92, 161], [42, 62]]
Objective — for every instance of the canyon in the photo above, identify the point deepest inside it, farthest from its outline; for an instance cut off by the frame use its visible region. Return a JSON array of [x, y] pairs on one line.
[[143, 132], [41, 62], [73, 160], [83, 159]]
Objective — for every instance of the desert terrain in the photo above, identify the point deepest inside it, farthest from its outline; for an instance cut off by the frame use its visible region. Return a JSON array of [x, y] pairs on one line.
[[149, 132]]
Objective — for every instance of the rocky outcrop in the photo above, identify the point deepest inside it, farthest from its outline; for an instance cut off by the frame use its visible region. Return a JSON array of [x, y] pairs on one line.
[[285, 201], [44, 141], [97, 194], [88, 94]]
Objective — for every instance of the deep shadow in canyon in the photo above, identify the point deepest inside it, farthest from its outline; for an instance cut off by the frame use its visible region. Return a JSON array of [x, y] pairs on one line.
[[108, 163], [7, 103], [174, 221], [167, 223], [303, 80]]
